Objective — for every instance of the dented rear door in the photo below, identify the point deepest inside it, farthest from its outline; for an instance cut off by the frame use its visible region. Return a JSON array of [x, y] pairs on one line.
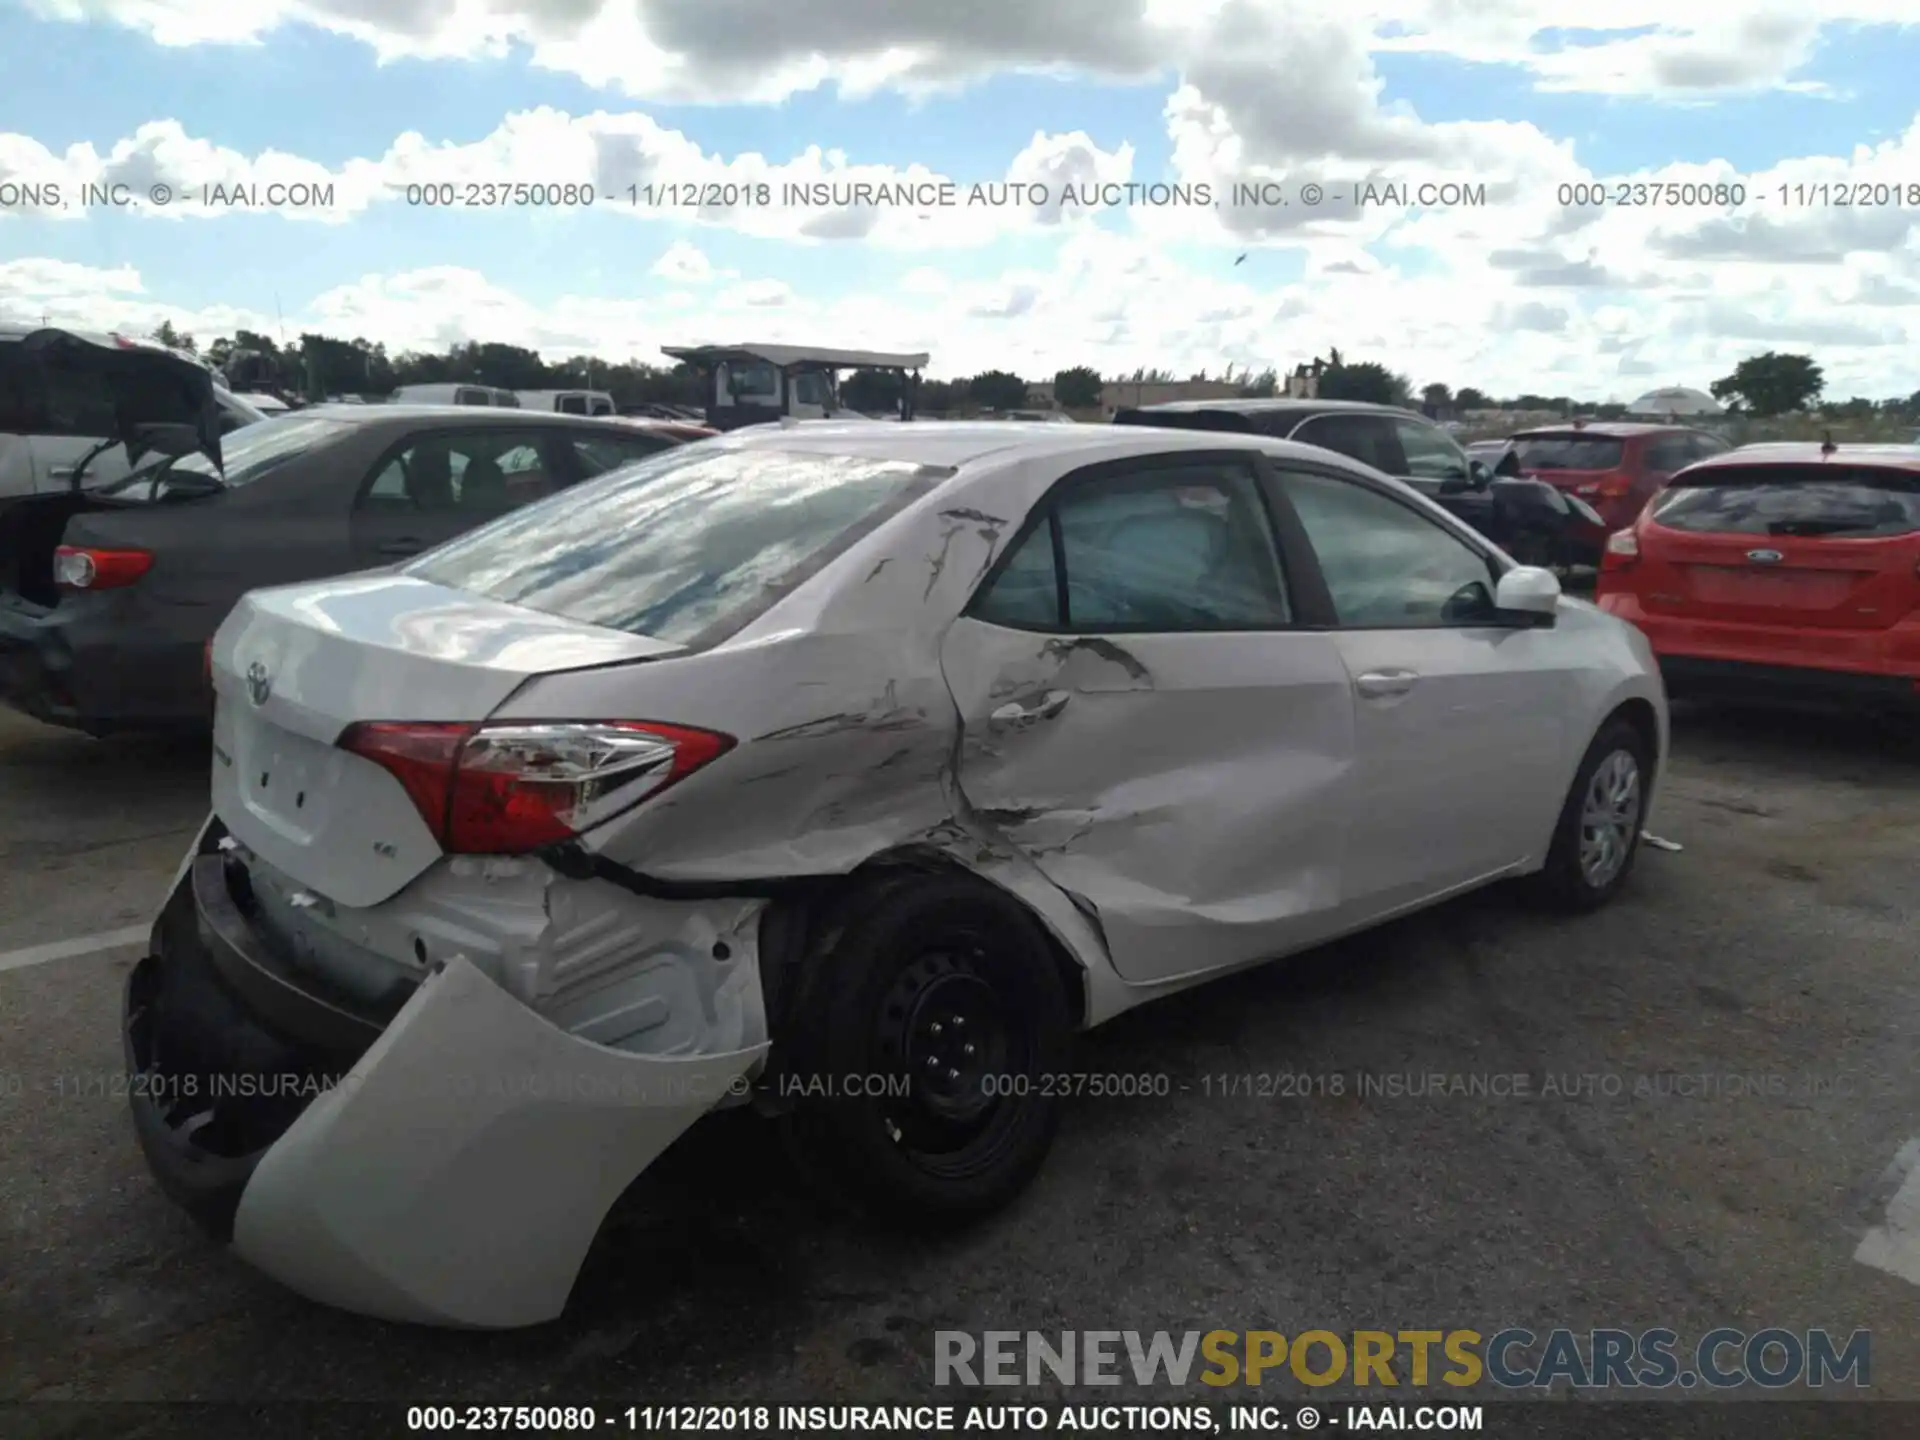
[[1170, 749]]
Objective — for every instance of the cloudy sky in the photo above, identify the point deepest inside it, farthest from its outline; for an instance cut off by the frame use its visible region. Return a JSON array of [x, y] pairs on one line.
[[1733, 137]]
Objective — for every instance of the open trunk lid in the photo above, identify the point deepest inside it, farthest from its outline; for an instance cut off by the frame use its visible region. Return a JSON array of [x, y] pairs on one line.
[[293, 667], [157, 399], [1817, 545]]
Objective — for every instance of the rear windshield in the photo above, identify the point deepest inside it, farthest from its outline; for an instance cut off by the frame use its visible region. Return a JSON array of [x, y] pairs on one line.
[[1856, 501], [247, 454], [1568, 452], [685, 547], [1231, 421]]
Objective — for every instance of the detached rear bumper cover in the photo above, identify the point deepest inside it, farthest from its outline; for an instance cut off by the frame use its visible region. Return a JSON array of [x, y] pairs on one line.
[[455, 1174]]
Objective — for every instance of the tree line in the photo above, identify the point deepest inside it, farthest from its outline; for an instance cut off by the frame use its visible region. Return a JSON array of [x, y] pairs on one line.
[[319, 366]]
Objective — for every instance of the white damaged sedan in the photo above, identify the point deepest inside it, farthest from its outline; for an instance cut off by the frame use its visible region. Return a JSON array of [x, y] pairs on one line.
[[842, 769]]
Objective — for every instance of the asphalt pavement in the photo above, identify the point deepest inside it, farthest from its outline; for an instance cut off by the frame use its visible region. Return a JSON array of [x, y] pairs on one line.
[[1720, 1078]]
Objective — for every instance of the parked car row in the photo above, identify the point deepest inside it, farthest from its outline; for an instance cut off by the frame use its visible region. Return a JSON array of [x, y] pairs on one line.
[[113, 578], [622, 779], [1534, 521]]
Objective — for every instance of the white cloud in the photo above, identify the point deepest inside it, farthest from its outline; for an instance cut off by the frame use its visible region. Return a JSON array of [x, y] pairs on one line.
[[547, 162], [718, 50], [683, 262]]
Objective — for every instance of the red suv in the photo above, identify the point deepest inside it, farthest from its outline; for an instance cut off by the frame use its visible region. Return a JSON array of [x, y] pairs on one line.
[[1615, 467], [1780, 571]]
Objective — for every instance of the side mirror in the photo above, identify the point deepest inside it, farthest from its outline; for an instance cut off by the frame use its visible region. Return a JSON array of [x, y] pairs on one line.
[[1479, 474], [1528, 590]]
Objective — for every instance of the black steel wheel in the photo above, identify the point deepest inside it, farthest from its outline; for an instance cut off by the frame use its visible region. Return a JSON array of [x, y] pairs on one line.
[[923, 1040]]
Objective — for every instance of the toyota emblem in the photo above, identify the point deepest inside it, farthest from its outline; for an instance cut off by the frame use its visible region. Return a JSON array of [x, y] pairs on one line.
[[1765, 557], [259, 683]]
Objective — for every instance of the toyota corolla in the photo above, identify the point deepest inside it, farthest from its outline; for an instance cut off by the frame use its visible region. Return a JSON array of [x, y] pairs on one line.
[[823, 751]]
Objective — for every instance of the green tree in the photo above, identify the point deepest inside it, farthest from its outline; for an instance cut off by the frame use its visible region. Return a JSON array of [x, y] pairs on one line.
[[1363, 380], [997, 390], [876, 392], [1772, 384], [173, 339], [1436, 395], [1078, 388], [1469, 398]]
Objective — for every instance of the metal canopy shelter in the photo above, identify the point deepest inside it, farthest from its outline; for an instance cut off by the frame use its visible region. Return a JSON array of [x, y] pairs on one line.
[[789, 361]]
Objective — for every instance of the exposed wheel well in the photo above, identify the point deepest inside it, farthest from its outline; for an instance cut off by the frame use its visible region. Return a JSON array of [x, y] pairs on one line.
[[794, 931], [1639, 714]]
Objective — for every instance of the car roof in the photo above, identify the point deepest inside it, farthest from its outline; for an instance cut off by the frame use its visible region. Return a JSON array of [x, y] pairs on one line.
[[958, 443], [408, 414], [1274, 406], [1806, 452], [1610, 429]]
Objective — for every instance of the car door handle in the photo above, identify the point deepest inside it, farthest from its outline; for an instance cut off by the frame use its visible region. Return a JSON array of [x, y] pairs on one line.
[[1379, 684], [63, 472], [1016, 716], [403, 547]]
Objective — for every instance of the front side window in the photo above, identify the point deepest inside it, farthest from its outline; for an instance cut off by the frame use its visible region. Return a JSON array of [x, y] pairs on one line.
[[1431, 454], [811, 388], [686, 546], [1175, 548], [474, 472], [1387, 566]]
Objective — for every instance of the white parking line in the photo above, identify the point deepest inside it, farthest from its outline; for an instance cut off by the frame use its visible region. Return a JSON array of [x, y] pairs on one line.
[[1895, 1246], [74, 949]]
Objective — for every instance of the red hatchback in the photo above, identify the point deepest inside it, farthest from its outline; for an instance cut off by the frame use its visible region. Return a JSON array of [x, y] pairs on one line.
[[1615, 467], [1780, 572]]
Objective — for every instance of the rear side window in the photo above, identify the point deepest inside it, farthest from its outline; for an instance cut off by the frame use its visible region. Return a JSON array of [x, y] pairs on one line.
[[572, 405], [472, 472], [1369, 439], [1665, 454], [1166, 549], [686, 547], [1843, 501], [1569, 452]]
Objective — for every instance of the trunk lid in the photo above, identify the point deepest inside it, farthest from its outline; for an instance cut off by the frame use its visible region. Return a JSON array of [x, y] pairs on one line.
[[293, 667], [1821, 546], [149, 398]]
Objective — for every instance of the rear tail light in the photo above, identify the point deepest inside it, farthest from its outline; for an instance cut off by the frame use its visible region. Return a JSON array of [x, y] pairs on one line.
[[78, 568], [508, 789], [1622, 552]]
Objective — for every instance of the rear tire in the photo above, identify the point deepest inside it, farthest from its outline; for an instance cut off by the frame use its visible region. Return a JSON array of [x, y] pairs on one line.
[[1598, 834], [943, 988]]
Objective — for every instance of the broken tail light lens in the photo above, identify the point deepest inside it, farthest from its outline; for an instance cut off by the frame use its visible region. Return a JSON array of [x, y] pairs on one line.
[[79, 568], [508, 789], [1622, 552]]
